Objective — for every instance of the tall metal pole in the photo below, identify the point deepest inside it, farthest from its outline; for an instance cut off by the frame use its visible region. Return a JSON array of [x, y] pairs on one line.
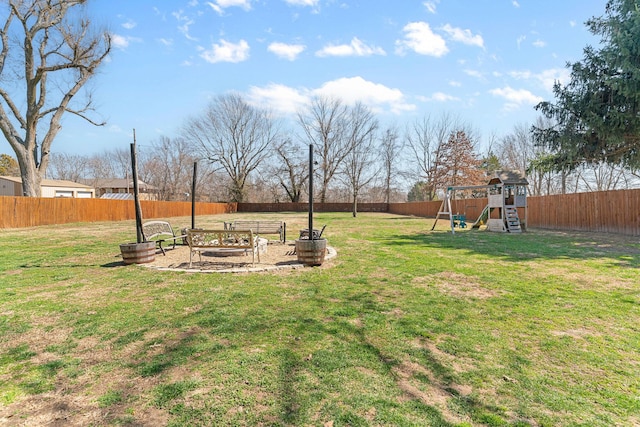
[[311, 236], [136, 195], [193, 195]]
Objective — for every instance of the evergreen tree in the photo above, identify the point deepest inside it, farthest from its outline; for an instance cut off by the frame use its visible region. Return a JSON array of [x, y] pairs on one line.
[[597, 114], [420, 192]]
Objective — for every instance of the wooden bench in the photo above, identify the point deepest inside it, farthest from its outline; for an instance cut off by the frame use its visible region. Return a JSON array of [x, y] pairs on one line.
[[240, 240], [160, 231], [260, 227]]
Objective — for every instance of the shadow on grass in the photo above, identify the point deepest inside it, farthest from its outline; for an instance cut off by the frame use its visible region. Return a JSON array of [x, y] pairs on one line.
[[420, 380], [623, 251]]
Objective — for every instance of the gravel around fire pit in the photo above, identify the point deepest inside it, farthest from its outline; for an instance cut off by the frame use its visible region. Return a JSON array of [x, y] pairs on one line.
[[278, 256]]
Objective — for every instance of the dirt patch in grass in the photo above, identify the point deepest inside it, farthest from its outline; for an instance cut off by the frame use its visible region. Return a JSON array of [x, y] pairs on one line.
[[456, 285], [433, 393]]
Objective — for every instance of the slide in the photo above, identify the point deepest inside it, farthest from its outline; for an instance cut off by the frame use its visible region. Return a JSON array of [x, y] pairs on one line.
[[482, 218]]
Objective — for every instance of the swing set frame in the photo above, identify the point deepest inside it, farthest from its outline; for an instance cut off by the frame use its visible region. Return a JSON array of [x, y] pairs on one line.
[[445, 208]]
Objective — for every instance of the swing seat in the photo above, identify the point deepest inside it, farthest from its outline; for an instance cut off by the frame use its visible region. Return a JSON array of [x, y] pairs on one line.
[[460, 221]]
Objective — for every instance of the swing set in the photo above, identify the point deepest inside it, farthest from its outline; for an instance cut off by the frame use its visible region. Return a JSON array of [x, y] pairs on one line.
[[457, 219], [506, 194]]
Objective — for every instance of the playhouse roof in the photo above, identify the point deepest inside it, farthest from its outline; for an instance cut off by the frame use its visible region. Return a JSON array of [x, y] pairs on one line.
[[509, 177]]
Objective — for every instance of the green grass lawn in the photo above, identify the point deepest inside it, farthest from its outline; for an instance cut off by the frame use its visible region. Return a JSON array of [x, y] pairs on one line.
[[405, 327]]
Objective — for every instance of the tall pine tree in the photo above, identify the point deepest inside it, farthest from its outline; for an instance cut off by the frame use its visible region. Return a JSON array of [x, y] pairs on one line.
[[597, 114]]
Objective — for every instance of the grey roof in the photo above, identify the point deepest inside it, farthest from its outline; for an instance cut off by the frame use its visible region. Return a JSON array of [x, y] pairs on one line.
[[509, 177], [49, 182], [119, 183]]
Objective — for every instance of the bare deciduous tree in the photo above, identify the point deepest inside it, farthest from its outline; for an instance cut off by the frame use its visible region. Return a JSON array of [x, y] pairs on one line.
[[324, 123], [292, 172], [602, 176], [120, 161], [518, 150], [235, 137], [425, 139], [390, 149], [51, 49], [70, 167], [356, 169], [168, 166]]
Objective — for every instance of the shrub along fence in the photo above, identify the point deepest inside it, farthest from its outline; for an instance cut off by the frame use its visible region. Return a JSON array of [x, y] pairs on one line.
[[605, 211]]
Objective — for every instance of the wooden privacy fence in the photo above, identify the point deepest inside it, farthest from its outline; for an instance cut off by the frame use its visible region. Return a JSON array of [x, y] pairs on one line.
[[606, 211], [18, 212], [317, 207], [472, 208], [603, 211]]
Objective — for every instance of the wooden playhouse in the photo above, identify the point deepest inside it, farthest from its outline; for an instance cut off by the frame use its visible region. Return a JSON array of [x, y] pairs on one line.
[[506, 209], [507, 202]]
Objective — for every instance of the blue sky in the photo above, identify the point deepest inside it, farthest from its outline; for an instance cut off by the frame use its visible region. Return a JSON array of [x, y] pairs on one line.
[[486, 61]]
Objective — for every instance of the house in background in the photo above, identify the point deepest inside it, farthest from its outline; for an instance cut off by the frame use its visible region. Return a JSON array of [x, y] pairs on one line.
[[121, 189], [12, 186]]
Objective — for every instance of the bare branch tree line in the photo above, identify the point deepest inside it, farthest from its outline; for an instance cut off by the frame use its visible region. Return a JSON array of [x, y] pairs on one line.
[[51, 49], [244, 154]]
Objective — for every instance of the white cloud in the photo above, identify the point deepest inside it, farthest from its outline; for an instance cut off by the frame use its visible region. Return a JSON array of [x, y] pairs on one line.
[[185, 22], [129, 24], [165, 42], [286, 51], [463, 36], [516, 97], [515, 3], [219, 5], [442, 97], [279, 98], [119, 42], [420, 39], [286, 100], [549, 77], [539, 43], [474, 73], [226, 52], [546, 78], [431, 5], [374, 95], [355, 48], [311, 3]]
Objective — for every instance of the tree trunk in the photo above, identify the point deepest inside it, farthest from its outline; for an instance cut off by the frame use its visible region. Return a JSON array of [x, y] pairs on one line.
[[31, 178], [355, 206]]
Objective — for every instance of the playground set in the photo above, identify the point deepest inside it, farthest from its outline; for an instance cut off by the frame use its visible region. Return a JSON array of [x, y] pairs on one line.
[[506, 209]]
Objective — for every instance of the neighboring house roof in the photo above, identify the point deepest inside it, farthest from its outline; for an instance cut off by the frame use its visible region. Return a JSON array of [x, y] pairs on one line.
[[50, 182], [118, 183]]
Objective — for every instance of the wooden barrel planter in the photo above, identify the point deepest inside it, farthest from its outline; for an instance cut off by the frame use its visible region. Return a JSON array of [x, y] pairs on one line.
[[138, 253], [311, 252]]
